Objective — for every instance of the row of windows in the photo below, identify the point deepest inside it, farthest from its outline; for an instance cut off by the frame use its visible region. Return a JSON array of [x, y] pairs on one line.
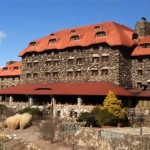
[[69, 73], [139, 84], [140, 72], [7, 78], [69, 61], [147, 45], [73, 38], [14, 68]]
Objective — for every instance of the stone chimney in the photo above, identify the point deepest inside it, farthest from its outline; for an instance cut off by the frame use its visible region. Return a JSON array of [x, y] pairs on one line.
[[142, 27]]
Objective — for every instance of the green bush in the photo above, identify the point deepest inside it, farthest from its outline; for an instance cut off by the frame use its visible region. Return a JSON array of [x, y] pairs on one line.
[[89, 119]]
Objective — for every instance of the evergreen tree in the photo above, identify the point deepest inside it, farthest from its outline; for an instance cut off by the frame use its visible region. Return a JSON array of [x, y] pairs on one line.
[[114, 106]]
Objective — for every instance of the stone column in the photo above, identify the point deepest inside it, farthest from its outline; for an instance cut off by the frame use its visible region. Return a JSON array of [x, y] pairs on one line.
[[79, 101], [10, 100], [53, 104], [30, 99]]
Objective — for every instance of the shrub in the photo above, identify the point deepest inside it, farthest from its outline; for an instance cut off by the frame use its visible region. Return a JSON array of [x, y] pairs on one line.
[[89, 119], [4, 110]]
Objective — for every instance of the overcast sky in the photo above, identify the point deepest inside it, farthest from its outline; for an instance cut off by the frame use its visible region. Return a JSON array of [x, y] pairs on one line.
[[22, 21]]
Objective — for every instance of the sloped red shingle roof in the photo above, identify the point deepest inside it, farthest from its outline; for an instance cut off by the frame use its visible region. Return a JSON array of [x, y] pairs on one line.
[[82, 88], [116, 34], [139, 51], [13, 69]]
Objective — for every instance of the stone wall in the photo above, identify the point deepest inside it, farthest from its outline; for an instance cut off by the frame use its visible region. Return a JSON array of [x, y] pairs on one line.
[[74, 65], [9, 81], [142, 27], [143, 64]]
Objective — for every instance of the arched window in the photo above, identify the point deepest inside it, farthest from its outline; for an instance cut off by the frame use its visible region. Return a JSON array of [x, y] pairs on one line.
[[97, 27], [32, 44], [100, 34], [51, 41], [5, 68], [73, 31], [74, 38]]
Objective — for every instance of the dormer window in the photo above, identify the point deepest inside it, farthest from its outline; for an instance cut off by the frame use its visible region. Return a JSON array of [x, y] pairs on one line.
[[147, 45], [100, 34], [52, 34], [97, 27], [134, 36], [74, 38], [32, 44], [5, 68], [16, 68], [73, 31], [51, 41]]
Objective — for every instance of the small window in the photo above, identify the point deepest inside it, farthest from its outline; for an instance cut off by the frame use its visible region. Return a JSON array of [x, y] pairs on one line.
[[134, 36], [29, 65], [74, 38], [145, 45], [73, 31], [100, 34], [139, 85], [51, 41], [95, 59], [28, 75], [140, 60], [78, 73], [94, 72], [104, 72], [139, 72], [97, 27], [16, 68], [32, 44], [35, 64], [47, 74], [5, 68], [56, 63], [35, 75], [55, 74], [49, 63], [105, 58], [70, 61], [52, 34], [70, 73], [79, 61]]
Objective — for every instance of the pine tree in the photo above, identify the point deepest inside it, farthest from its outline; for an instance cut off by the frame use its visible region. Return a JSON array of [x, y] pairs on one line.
[[114, 106]]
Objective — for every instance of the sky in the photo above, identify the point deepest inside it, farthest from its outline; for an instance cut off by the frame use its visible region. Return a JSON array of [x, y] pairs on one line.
[[22, 21]]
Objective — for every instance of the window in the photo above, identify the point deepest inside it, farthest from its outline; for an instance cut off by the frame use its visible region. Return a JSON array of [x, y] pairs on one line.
[[16, 68], [95, 59], [104, 72], [145, 45], [140, 60], [134, 36], [79, 61], [78, 73], [47, 74], [100, 34], [73, 31], [35, 75], [70, 61], [48, 63], [52, 34], [56, 63], [97, 27], [94, 72], [29, 65], [139, 72], [70, 73], [74, 38], [139, 85], [51, 41], [32, 44], [35, 64], [28, 75], [55, 74], [5, 68], [105, 58]]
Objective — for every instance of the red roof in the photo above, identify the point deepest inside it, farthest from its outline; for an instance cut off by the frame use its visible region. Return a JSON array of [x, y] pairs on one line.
[[145, 93], [116, 34], [13, 69], [139, 51], [82, 88]]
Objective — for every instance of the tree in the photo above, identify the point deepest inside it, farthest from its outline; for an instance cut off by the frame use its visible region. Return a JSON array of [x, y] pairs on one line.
[[114, 106]]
